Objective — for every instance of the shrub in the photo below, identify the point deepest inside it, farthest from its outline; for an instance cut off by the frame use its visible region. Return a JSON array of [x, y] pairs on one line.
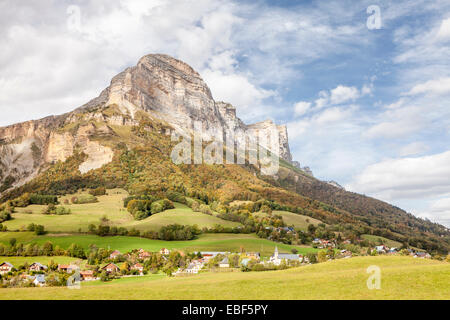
[[39, 229], [85, 198], [100, 191], [266, 209], [4, 216], [140, 215], [176, 197], [43, 199], [195, 206], [161, 205], [156, 207], [52, 209], [205, 209], [177, 232], [141, 197]]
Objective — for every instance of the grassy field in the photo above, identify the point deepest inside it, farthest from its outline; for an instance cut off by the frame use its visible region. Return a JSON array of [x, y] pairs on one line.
[[298, 221], [111, 206], [124, 280], [23, 237], [401, 278], [82, 215], [17, 261], [182, 214], [377, 239], [205, 242]]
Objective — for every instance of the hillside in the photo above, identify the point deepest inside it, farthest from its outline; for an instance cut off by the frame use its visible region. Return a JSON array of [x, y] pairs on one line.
[[111, 207], [122, 139], [340, 279]]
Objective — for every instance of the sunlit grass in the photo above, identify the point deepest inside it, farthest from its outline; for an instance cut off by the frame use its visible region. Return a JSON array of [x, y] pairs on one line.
[[402, 278]]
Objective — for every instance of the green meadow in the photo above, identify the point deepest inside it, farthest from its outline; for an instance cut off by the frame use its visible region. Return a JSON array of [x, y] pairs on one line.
[[17, 261], [292, 219], [379, 239], [205, 242], [401, 278], [111, 206], [182, 214]]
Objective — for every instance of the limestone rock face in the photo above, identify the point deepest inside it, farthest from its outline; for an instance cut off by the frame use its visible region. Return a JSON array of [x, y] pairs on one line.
[[171, 90], [160, 86]]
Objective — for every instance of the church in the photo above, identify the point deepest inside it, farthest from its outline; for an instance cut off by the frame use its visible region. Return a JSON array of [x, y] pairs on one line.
[[277, 258]]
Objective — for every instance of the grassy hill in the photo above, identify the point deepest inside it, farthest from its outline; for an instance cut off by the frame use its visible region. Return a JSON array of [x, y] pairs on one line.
[[299, 221], [381, 240], [111, 206], [402, 278], [81, 216], [182, 214]]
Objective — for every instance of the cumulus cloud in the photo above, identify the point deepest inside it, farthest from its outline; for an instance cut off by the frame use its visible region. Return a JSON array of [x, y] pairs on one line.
[[300, 108], [405, 178], [434, 86], [440, 210], [444, 30], [342, 94], [236, 89], [402, 122], [333, 115], [436, 210]]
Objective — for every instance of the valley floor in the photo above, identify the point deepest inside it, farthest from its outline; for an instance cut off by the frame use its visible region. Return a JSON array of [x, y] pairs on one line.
[[401, 278]]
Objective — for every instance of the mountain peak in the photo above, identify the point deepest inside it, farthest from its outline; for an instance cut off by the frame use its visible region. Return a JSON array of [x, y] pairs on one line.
[[159, 86]]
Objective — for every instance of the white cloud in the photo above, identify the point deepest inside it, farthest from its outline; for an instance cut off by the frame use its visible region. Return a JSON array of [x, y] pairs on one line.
[[405, 178], [402, 122], [444, 30], [437, 211], [436, 86], [413, 149], [237, 90], [366, 90], [334, 114], [302, 107], [342, 94], [399, 103], [323, 99]]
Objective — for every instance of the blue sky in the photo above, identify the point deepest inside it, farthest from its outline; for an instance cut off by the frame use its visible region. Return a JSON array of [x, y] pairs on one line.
[[368, 108]]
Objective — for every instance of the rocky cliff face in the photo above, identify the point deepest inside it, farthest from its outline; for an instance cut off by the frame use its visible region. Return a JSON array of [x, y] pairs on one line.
[[159, 85]]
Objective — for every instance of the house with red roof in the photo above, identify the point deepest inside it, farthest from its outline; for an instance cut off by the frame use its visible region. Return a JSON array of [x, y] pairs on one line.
[[5, 267]]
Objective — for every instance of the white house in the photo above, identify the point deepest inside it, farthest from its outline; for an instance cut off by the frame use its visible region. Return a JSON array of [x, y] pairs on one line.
[[382, 249], [5, 267], [39, 280], [194, 267], [224, 263], [114, 255], [164, 251], [36, 266]]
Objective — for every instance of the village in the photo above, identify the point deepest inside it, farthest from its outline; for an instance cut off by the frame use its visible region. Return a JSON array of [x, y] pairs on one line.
[[175, 263]]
